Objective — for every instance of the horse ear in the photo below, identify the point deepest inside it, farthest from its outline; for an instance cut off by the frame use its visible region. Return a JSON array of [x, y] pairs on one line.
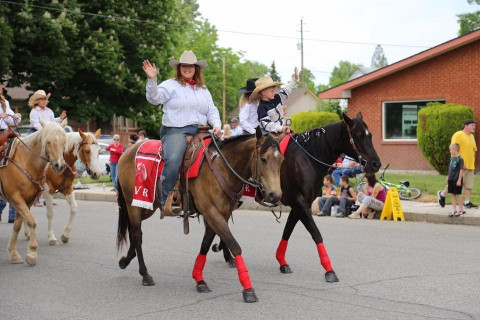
[[258, 133], [347, 120], [360, 116], [82, 134], [97, 133], [64, 123], [42, 123]]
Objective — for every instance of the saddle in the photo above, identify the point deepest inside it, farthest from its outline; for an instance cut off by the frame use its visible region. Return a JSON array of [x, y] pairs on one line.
[[4, 136]]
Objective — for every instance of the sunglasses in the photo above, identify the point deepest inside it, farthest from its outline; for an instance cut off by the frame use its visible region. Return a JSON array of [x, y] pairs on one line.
[[116, 139]]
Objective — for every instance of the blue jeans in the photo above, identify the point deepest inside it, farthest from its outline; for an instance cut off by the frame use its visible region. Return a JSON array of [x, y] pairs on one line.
[[174, 146], [113, 173], [11, 210], [326, 204], [337, 173]]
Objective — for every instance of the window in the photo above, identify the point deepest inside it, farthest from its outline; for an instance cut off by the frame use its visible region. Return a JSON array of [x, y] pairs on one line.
[[400, 119]]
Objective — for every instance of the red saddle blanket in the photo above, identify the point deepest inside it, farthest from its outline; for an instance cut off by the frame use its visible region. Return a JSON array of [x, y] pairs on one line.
[[284, 143]]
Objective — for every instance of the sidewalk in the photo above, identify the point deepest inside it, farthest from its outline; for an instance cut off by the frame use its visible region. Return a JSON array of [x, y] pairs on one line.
[[413, 211]]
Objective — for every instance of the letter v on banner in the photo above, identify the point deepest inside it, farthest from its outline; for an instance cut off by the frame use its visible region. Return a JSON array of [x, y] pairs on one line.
[[392, 206]]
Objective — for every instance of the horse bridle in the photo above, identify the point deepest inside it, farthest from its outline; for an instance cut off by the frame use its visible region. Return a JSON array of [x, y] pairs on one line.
[[354, 146], [89, 171]]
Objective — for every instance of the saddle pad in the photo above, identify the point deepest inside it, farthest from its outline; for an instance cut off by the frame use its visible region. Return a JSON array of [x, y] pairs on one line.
[[192, 172], [149, 165], [284, 143], [4, 161]]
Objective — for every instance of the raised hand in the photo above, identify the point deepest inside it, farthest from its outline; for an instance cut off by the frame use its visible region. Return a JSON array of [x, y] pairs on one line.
[[63, 115], [295, 71], [150, 69]]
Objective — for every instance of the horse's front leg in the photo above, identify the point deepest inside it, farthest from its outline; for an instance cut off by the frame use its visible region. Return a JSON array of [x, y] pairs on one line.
[[220, 227], [26, 214], [52, 240], [197, 273], [309, 223], [221, 246], [282, 246], [12, 244], [73, 211]]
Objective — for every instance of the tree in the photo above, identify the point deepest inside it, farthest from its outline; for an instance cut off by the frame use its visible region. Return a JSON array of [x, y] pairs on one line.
[[92, 64], [6, 41], [309, 79], [342, 72], [469, 21], [273, 73], [378, 59]]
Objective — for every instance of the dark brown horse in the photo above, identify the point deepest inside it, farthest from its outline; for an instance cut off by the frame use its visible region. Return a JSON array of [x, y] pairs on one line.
[[307, 160], [248, 156]]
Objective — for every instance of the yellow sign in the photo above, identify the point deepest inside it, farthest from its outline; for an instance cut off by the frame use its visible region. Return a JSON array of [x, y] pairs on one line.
[[392, 206]]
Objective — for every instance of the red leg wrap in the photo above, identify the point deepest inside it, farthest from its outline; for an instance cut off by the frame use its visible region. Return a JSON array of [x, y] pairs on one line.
[[197, 272], [324, 259], [243, 272], [281, 250]]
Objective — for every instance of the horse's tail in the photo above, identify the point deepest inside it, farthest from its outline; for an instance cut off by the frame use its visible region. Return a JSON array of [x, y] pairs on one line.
[[123, 222]]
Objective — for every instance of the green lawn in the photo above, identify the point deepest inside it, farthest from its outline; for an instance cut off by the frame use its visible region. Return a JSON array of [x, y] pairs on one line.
[[101, 180]]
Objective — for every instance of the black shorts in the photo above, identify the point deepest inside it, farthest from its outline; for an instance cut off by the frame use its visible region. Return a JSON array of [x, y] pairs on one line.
[[453, 188]]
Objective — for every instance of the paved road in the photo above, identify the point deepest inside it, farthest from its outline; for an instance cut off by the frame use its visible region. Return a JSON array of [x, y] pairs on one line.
[[387, 270]]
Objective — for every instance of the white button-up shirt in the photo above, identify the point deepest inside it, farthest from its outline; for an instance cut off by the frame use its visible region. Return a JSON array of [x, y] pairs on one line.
[[249, 117], [46, 115], [182, 105], [8, 121]]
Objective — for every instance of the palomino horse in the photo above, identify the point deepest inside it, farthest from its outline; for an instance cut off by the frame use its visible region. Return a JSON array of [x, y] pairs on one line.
[[79, 145], [24, 176], [250, 155], [307, 160]]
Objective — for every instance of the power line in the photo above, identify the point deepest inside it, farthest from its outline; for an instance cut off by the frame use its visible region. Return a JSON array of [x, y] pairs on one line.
[[128, 19]]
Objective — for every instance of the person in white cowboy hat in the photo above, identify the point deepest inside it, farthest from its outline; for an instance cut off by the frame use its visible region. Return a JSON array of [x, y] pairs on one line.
[[38, 102], [187, 104], [248, 109], [270, 108]]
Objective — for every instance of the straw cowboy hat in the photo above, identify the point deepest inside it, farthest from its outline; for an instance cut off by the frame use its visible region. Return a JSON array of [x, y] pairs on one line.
[[249, 87], [39, 94], [188, 57], [261, 84]]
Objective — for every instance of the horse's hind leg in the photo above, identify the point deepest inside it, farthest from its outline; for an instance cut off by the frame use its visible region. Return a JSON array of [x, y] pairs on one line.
[[73, 212], [310, 225], [226, 253], [135, 215], [197, 273], [125, 260], [282, 246], [220, 226], [12, 244], [52, 240]]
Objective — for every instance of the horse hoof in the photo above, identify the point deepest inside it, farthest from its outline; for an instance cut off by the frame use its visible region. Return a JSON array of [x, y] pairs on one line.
[[53, 242], [203, 288], [249, 296], [17, 260], [31, 260], [148, 281], [231, 264], [330, 276], [65, 239], [122, 263], [285, 269], [215, 247]]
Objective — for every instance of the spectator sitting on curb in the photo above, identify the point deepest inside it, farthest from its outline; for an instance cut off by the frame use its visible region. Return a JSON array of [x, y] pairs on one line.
[[324, 204]]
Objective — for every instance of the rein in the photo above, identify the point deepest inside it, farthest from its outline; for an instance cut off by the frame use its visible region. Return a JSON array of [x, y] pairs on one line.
[[89, 171]]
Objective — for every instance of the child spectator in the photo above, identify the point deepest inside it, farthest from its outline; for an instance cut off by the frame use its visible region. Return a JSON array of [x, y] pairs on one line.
[[346, 197], [454, 179], [270, 108], [328, 197]]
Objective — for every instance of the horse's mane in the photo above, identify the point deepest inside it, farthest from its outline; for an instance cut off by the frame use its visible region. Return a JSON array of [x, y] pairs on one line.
[[314, 140], [49, 130], [73, 142], [244, 137]]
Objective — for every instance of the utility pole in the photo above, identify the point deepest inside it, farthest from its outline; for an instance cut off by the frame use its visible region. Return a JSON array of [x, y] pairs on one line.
[[224, 98], [302, 78]]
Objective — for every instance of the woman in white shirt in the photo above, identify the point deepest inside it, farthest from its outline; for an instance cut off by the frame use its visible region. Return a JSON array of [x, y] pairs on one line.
[[38, 102], [186, 104], [248, 110]]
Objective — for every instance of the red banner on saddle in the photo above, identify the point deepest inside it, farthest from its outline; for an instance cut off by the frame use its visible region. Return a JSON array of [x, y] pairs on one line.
[[149, 165], [284, 143], [192, 172]]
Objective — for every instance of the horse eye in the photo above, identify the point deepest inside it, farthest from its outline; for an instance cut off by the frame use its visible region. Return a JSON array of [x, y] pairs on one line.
[[87, 152], [264, 161]]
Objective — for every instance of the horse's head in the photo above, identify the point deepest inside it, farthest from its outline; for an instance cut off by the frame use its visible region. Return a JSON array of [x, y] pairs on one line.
[[361, 143], [266, 167], [88, 152], [54, 140]]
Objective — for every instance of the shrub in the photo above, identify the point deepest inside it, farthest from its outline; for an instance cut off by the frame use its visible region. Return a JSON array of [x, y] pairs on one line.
[[304, 121], [436, 124]]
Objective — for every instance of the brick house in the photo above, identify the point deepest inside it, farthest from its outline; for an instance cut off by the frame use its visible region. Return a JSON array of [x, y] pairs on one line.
[[389, 98]]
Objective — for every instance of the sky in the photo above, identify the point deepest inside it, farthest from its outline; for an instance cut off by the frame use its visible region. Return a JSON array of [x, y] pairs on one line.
[[267, 31]]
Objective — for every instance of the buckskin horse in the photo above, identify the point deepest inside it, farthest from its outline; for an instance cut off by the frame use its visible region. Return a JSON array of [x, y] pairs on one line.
[[249, 155], [308, 157], [23, 177], [83, 146]]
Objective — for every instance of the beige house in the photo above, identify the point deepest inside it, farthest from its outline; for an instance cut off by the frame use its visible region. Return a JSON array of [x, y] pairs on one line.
[[300, 100]]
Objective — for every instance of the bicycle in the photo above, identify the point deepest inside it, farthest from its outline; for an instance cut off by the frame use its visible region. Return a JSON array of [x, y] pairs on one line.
[[405, 192]]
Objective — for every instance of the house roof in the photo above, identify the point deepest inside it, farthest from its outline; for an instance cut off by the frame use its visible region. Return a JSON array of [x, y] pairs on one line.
[[343, 90], [361, 71]]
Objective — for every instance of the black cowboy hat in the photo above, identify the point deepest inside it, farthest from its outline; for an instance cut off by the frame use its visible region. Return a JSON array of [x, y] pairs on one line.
[[249, 87]]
